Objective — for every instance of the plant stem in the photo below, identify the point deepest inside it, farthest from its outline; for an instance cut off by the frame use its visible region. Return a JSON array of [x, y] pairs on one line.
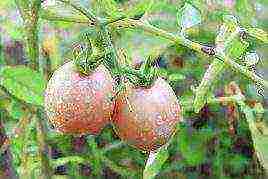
[[82, 10], [29, 11], [42, 146], [243, 70], [181, 40], [178, 39], [48, 15], [8, 169]]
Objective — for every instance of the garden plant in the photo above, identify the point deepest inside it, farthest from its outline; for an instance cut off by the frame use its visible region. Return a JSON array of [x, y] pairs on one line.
[[133, 89]]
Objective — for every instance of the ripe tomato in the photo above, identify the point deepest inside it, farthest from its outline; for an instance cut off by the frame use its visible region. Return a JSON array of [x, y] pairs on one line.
[[146, 117], [79, 104]]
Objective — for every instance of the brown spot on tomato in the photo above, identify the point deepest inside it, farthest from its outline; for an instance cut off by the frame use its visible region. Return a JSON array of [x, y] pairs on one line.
[[74, 104], [153, 120]]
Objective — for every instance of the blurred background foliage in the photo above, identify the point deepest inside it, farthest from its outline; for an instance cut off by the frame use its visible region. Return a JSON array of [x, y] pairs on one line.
[[215, 143]]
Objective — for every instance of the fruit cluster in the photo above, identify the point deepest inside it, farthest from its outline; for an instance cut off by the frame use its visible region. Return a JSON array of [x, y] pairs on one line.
[[83, 96], [144, 117]]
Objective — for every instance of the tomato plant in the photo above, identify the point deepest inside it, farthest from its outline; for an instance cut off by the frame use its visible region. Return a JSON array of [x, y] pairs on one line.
[[138, 68]]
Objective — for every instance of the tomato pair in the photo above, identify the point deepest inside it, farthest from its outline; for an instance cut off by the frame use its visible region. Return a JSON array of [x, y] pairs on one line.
[[82, 104]]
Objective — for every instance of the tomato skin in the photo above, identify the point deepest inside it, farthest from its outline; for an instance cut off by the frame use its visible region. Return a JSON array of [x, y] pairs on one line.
[[146, 117], [79, 104]]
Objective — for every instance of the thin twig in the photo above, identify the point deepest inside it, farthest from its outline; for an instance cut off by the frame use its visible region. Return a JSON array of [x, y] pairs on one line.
[[42, 146], [181, 40], [243, 70], [82, 10], [30, 15], [129, 23], [47, 15]]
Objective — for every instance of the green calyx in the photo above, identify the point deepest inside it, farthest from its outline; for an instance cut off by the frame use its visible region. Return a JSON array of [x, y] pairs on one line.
[[100, 50], [143, 77], [94, 53]]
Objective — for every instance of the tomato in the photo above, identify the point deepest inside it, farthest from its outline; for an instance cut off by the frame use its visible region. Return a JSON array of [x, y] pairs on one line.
[[146, 117], [79, 104]]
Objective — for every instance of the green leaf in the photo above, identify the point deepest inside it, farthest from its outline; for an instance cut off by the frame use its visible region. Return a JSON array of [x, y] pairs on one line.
[[230, 21], [96, 153], [139, 9], [109, 7], [259, 134], [192, 145], [176, 77], [188, 16], [155, 162], [16, 110], [245, 10], [236, 48], [258, 34], [24, 83]]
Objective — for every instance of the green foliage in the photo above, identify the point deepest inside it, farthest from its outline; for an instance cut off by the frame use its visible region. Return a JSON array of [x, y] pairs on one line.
[[245, 11], [258, 131], [24, 83], [155, 162], [203, 147], [192, 145], [139, 9], [258, 34]]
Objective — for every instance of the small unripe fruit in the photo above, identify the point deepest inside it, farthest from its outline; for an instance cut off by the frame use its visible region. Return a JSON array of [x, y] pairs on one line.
[[146, 117], [79, 104]]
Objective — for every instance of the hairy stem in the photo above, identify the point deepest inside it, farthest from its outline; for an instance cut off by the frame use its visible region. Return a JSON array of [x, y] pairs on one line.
[[29, 11], [181, 40], [51, 16], [82, 10], [42, 146]]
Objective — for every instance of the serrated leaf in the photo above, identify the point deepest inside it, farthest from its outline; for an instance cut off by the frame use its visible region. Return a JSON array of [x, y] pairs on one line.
[[258, 34], [23, 83], [188, 16], [155, 162]]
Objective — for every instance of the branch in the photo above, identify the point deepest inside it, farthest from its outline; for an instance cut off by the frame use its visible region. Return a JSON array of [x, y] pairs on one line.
[[178, 39], [29, 11], [47, 15], [243, 70], [42, 146], [181, 40], [82, 10]]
